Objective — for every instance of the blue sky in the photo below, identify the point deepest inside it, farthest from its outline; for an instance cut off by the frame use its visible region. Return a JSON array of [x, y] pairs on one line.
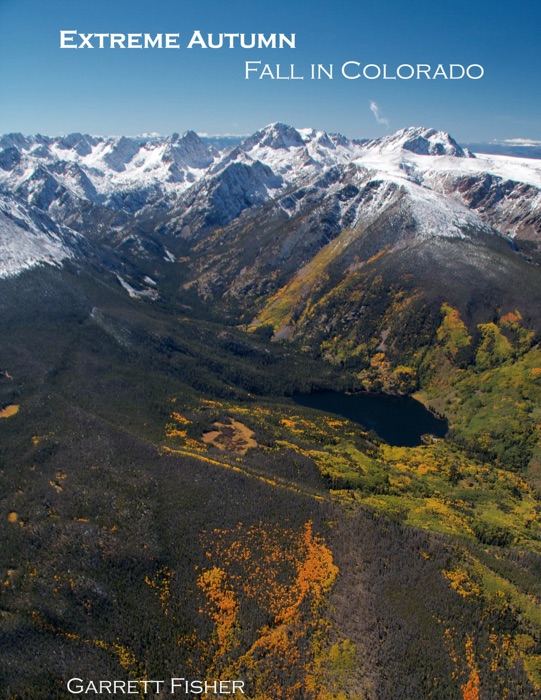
[[52, 91]]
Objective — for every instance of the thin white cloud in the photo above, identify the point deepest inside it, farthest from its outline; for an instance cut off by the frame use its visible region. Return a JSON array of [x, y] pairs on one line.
[[377, 114], [521, 142]]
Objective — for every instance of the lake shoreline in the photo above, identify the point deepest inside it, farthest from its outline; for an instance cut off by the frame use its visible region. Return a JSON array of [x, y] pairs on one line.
[[398, 420]]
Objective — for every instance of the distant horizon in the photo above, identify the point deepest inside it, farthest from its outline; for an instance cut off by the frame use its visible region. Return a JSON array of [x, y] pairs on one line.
[[512, 142]]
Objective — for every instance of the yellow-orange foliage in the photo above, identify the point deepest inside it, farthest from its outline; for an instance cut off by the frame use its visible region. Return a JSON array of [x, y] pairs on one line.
[[453, 331], [462, 583], [315, 574], [287, 574], [173, 432], [471, 689], [511, 317], [161, 584], [124, 656], [223, 606], [178, 418], [9, 411]]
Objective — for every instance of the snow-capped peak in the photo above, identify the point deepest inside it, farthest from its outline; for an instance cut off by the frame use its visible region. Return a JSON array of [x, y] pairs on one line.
[[295, 153], [187, 150], [275, 136], [421, 141]]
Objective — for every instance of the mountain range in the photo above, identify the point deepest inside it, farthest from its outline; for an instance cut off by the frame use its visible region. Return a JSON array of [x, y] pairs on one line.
[[283, 223]]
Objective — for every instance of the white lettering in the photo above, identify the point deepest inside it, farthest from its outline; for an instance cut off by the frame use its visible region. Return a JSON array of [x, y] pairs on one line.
[[405, 77], [197, 40], [77, 688], [231, 38], [266, 43], [171, 41], [244, 44], [86, 41], [117, 40], [266, 72], [101, 38], [292, 73], [69, 37], [153, 43], [366, 72], [249, 69], [440, 71], [134, 41], [345, 66], [452, 75], [283, 40], [66, 35], [475, 77], [158, 685], [321, 70]]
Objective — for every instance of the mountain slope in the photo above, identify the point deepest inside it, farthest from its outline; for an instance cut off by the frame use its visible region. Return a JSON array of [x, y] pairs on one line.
[[279, 227], [167, 506]]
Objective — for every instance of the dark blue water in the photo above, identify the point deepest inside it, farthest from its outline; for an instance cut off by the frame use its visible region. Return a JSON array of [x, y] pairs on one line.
[[399, 420]]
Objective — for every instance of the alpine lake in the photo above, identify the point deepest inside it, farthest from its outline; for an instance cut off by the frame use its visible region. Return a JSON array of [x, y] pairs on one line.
[[399, 420]]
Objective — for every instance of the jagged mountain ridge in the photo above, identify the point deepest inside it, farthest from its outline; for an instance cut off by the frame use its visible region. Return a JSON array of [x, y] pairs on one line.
[[287, 212], [63, 175]]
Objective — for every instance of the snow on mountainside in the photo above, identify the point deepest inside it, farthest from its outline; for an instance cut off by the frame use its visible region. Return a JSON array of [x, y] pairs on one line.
[[114, 167], [102, 186], [420, 161], [27, 240]]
